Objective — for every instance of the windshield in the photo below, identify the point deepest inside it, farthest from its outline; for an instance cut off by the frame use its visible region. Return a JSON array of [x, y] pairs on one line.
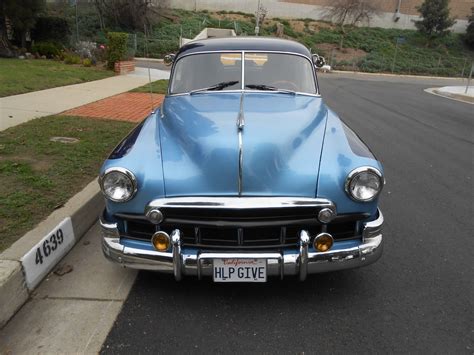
[[223, 71], [203, 71]]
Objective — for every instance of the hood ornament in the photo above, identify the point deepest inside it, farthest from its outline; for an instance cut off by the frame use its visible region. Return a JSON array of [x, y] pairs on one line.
[[240, 117]]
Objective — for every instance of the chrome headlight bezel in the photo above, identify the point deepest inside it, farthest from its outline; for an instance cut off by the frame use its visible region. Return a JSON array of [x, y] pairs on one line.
[[355, 173], [128, 174]]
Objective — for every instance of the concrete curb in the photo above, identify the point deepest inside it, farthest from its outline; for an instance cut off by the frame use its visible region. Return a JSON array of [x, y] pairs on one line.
[[452, 96], [83, 209]]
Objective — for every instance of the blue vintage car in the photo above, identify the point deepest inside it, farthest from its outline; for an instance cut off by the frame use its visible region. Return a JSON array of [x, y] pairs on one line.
[[242, 173]]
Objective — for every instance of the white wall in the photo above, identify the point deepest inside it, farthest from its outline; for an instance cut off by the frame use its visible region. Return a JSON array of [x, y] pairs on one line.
[[291, 10]]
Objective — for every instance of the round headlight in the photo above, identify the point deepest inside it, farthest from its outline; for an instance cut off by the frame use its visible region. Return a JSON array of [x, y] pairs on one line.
[[364, 184], [118, 184]]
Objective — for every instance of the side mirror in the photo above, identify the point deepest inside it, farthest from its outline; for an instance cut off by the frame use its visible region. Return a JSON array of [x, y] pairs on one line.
[[318, 61], [169, 59]]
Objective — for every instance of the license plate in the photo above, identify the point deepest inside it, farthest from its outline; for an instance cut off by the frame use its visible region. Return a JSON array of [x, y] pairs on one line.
[[240, 270]]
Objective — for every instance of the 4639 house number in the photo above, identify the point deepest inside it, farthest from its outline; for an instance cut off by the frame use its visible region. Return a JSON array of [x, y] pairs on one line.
[[49, 246], [47, 252]]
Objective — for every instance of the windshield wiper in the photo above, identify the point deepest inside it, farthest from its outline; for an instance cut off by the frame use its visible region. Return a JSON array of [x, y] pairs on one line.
[[269, 88], [215, 87]]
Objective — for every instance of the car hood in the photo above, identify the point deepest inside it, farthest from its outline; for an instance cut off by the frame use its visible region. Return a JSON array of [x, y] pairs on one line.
[[281, 143]]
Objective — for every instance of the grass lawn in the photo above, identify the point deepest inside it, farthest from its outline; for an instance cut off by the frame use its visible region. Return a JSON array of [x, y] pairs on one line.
[[158, 87], [38, 175], [19, 76]]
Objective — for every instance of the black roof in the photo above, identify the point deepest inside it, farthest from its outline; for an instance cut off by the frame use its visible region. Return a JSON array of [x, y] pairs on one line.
[[244, 43]]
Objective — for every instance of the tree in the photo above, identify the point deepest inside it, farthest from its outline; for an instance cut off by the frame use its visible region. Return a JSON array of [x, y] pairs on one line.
[[22, 15], [5, 50], [131, 15], [435, 20], [350, 12], [470, 30]]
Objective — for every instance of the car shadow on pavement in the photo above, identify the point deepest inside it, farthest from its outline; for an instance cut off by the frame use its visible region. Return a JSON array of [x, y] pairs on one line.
[[334, 284], [199, 315]]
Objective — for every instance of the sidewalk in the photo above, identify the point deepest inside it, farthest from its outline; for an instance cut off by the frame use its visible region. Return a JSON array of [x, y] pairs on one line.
[[71, 313], [22, 108], [457, 93], [129, 106]]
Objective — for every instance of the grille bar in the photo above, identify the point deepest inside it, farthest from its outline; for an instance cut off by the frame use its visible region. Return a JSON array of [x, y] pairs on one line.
[[239, 237]]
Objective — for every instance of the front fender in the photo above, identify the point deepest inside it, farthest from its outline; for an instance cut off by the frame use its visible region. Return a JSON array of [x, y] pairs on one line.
[[144, 160], [342, 152]]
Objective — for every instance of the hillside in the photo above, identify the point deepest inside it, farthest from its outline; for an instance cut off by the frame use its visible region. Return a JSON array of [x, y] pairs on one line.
[[361, 49]]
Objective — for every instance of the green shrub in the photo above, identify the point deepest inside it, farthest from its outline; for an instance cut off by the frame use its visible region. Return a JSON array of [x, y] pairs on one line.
[[49, 49], [117, 48], [71, 58], [87, 62]]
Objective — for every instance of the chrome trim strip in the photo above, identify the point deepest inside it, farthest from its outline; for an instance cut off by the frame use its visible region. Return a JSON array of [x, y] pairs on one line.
[[241, 163], [239, 203], [240, 117], [210, 256], [240, 127]]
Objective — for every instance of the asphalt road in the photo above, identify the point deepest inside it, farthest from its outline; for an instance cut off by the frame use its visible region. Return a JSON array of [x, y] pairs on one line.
[[417, 298]]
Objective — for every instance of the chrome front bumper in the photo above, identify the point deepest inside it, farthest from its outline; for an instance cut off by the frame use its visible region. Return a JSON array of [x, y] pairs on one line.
[[193, 262]]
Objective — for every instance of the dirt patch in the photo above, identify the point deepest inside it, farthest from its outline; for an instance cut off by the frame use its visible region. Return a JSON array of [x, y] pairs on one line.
[[231, 17], [332, 53], [39, 164], [298, 26]]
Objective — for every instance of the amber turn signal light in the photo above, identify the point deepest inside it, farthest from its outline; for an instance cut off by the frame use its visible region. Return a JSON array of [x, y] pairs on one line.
[[161, 241], [323, 242]]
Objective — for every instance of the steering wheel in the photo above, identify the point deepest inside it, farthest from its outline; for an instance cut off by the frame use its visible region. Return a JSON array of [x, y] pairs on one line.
[[285, 84]]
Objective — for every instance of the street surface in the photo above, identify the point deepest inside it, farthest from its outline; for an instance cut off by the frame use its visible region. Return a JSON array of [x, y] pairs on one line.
[[417, 298]]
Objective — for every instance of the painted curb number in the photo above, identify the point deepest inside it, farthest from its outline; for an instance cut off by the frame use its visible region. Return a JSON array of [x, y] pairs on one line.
[[44, 255], [55, 239]]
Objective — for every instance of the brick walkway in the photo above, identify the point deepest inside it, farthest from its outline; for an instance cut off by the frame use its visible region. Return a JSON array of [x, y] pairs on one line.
[[129, 106]]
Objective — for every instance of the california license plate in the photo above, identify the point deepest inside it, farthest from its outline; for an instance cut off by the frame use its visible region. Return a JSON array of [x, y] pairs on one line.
[[240, 270]]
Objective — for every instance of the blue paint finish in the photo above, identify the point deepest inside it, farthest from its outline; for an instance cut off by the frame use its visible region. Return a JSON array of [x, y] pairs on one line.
[[337, 161], [357, 146], [127, 143], [138, 244], [292, 146], [282, 141], [200, 144], [144, 161]]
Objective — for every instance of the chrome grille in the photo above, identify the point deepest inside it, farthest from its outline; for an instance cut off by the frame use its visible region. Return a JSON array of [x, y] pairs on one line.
[[240, 237]]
